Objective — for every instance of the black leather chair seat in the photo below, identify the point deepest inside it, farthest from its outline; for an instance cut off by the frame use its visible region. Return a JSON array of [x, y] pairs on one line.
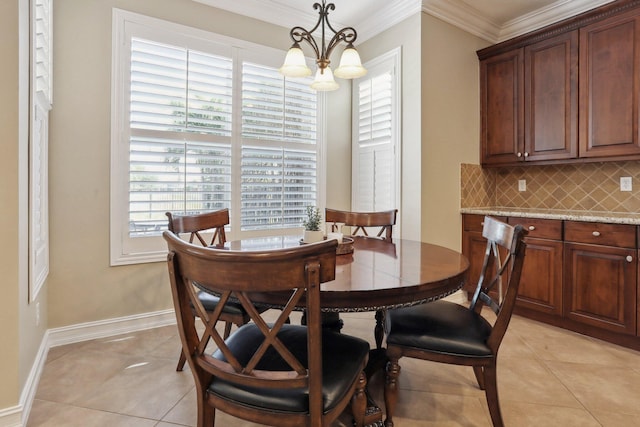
[[439, 326], [209, 302], [342, 355]]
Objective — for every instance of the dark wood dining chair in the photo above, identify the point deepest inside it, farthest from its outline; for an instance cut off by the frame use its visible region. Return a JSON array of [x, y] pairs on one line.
[[267, 371], [446, 332], [362, 222], [195, 226]]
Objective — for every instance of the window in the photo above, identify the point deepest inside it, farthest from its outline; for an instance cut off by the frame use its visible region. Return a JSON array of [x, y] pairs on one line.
[[40, 105], [203, 122], [279, 152], [376, 139]]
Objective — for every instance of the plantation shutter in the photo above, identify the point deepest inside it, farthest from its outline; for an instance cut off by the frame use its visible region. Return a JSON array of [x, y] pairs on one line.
[[374, 153], [40, 105], [181, 125], [42, 46], [279, 176], [202, 122]]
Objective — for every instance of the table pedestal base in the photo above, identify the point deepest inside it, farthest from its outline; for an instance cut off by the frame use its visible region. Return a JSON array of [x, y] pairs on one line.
[[373, 414], [377, 363]]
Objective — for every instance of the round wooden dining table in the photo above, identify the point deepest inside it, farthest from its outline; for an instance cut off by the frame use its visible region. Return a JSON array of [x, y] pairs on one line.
[[377, 275]]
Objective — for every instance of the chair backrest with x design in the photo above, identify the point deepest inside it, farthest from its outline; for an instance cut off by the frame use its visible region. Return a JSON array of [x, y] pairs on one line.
[[258, 356], [497, 286], [362, 221], [195, 224]]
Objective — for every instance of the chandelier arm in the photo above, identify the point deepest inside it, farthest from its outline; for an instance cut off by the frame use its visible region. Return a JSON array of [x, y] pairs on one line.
[[347, 35], [299, 34]]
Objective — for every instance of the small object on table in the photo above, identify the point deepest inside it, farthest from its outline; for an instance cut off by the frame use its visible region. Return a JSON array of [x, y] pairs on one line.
[[345, 247], [337, 236]]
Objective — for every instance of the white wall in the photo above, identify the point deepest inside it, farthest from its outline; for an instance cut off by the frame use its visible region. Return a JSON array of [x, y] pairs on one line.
[[9, 196], [406, 34], [450, 119], [440, 121]]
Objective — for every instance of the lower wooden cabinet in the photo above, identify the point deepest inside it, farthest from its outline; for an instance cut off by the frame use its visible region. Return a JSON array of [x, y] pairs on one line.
[[582, 276], [541, 280], [601, 275]]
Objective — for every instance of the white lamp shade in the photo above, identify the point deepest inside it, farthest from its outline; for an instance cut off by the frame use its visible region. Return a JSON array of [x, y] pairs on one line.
[[324, 80], [295, 64], [350, 65]]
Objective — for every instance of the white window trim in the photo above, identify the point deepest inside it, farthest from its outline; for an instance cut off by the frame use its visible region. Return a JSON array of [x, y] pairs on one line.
[[153, 249], [40, 105], [391, 59]]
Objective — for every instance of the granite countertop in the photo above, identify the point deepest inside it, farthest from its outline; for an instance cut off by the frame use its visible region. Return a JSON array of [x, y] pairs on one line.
[[589, 216]]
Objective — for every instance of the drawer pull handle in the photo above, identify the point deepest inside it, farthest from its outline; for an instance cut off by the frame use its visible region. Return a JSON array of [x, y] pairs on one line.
[[519, 154], [532, 227], [629, 258], [596, 233]]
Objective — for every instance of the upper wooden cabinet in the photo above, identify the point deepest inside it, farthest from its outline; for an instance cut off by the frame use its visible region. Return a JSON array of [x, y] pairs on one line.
[[551, 98], [610, 87], [529, 102], [567, 93], [501, 109]]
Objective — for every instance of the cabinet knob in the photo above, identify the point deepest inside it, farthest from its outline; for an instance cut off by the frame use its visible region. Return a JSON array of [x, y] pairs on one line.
[[532, 227], [526, 154], [519, 154], [629, 258], [596, 233]]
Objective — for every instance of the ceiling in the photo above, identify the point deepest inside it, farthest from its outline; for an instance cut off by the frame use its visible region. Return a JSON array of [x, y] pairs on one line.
[[493, 20]]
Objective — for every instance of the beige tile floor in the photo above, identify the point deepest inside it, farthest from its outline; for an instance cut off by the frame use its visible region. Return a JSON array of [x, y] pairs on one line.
[[546, 377]]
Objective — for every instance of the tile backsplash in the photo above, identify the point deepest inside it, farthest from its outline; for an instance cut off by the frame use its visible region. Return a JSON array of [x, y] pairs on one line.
[[575, 187]]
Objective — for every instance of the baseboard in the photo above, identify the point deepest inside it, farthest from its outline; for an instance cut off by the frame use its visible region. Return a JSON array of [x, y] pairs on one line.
[[110, 327], [17, 416], [11, 417], [31, 385]]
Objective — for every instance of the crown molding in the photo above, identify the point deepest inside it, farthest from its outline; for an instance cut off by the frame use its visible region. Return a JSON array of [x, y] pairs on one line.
[[551, 14], [460, 14], [463, 16], [385, 18]]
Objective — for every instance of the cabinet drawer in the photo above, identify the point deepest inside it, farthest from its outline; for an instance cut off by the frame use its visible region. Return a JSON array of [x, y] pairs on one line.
[[475, 222], [540, 228], [620, 235]]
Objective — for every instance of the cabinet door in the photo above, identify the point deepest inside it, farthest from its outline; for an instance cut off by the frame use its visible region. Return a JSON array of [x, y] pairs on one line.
[[551, 98], [600, 286], [541, 280], [610, 87], [501, 108], [473, 247]]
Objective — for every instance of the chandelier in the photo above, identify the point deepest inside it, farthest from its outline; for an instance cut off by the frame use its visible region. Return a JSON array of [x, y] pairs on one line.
[[350, 64]]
